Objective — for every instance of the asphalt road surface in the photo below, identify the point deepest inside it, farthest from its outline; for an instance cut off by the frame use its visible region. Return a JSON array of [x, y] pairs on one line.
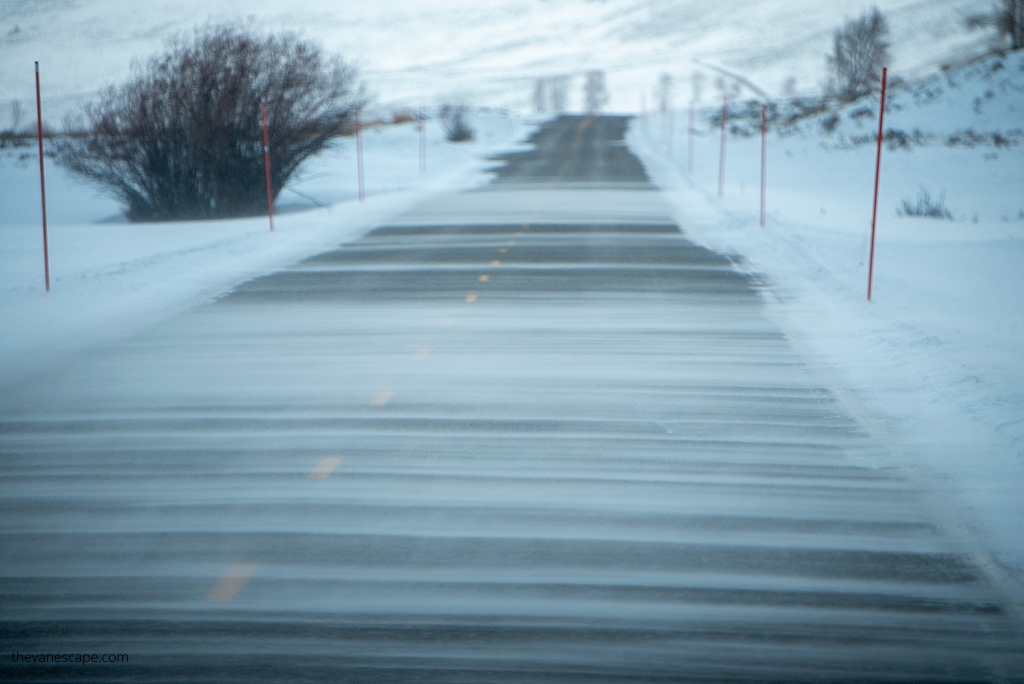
[[528, 433]]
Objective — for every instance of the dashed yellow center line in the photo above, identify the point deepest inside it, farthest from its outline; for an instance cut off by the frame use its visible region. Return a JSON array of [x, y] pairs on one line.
[[503, 250], [496, 262], [484, 278], [471, 298], [382, 398], [511, 242], [421, 353], [232, 582], [324, 468]]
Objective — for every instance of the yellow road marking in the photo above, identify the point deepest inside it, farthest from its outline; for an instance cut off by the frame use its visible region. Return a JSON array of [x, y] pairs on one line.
[[484, 278], [519, 233], [496, 262], [324, 468], [232, 582], [422, 353], [511, 242], [572, 147], [503, 250], [583, 125], [382, 398], [471, 298]]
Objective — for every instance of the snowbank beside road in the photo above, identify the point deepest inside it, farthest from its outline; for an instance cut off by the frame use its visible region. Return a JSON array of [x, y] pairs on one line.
[[936, 358], [109, 279]]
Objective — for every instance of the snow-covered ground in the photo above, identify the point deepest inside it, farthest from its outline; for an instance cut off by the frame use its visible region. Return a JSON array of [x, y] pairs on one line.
[[110, 278], [487, 52], [936, 360]]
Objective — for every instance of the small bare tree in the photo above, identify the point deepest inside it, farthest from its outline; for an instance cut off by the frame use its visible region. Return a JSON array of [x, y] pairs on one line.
[[860, 51], [540, 95], [663, 92], [558, 88], [16, 115], [182, 139], [1008, 20], [697, 82], [595, 91]]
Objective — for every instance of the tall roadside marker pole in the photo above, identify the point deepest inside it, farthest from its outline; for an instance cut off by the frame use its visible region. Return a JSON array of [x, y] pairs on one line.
[[671, 129], [689, 144], [878, 167], [266, 164], [721, 156], [42, 178], [423, 141], [359, 155], [764, 156]]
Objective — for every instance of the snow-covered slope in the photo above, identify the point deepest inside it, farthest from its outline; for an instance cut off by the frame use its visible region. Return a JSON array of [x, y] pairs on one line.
[[417, 52], [935, 360]]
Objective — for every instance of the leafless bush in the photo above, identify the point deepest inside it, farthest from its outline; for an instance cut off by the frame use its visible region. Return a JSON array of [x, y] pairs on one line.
[[453, 119], [860, 50], [926, 207], [404, 116], [182, 138]]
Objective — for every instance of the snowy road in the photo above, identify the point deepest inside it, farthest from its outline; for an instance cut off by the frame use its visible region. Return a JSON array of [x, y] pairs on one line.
[[525, 433]]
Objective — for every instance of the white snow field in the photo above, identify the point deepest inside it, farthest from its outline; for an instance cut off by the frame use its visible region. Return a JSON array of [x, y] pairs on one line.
[[934, 361]]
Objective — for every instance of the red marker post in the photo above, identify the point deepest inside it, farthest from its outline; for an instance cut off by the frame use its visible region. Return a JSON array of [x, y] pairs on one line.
[[42, 178], [423, 141], [671, 129], [643, 110], [721, 156], [689, 144], [878, 168], [764, 157], [266, 163], [359, 155]]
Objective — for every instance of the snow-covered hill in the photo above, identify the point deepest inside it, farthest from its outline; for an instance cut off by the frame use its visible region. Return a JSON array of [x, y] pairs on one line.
[[418, 52], [935, 360]]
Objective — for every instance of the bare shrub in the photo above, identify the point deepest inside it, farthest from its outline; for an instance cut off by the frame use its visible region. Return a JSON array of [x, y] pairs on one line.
[[404, 116], [860, 50], [453, 120], [926, 207], [182, 138]]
